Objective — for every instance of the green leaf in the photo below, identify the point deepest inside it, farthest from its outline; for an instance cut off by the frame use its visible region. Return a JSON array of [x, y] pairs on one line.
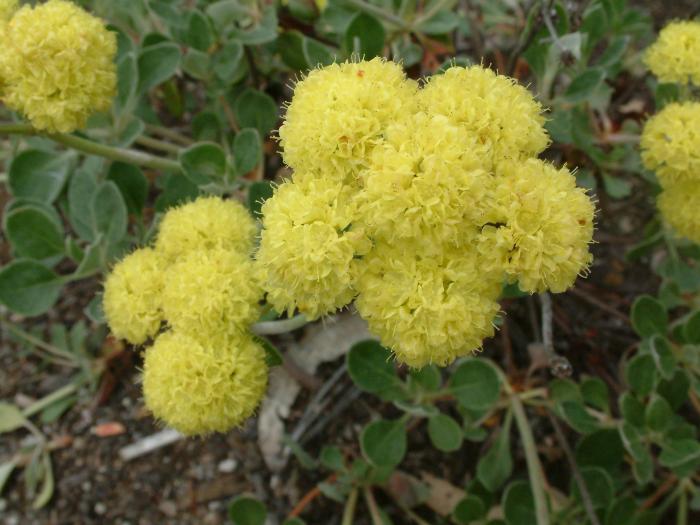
[[37, 175], [599, 485], [109, 215], [258, 193], [583, 85], [595, 393], [317, 54], [468, 510], [227, 62], [291, 48], [561, 390], [577, 417], [127, 82], [675, 390], [28, 287], [247, 511], [632, 409], [197, 64], [273, 357], [178, 190], [247, 151], [156, 64], [200, 34], [263, 32], [602, 448], [660, 350], [622, 512], [332, 458], [94, 310], [11, 418], [132, 184], [365, 36], [616, 187], [47, 484], [496, 466], [371, 367], [475, 384], [294, 521], [5, 472], [518, 504], [649, 317], [204, 162], [427, 378], [682, 456], [33, 233], [81, 189], [440, 23], [658, 414], [691, 328], [255, 109], [56, 409], [641, 374], [383, 442], [445, 433]]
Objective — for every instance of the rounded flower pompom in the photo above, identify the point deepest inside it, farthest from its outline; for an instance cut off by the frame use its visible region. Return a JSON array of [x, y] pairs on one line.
[[7, 9], [204, 384], [675, 56], [132, 298], [427, 306], [499, 112], [340, 112], [670, 143], [426, 181], [549, 221], [306, 249], [679, 205], [57, 65], [211, 291], [205, 224]]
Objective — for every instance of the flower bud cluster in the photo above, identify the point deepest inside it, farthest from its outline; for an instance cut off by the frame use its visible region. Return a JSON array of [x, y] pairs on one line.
[[670, 141], [56, 64], [418, 202], [196, 294]]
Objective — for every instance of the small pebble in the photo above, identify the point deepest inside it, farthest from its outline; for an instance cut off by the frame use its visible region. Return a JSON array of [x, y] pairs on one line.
[[228, 465], [100, 508]]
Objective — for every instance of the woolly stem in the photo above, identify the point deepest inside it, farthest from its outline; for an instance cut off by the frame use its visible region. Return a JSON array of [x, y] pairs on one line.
[[281, 326], [534, 467], [130, 156], [349, 511]]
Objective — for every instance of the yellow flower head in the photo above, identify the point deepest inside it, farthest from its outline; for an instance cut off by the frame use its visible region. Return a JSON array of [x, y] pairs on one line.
[[426, 181], [7, 9], [204, 224], [549, 222], [428, 305], [133, 295], [501, 113], [57, 65], [200, 385], [306, 249], [679, 204], [339, 113], [675, 56], [670, 143], [210, 291]]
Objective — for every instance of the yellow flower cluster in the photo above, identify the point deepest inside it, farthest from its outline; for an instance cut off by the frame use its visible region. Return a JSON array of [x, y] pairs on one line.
[[418, 203], [675, 56], [56, 64], [198, 286], [670, 141]]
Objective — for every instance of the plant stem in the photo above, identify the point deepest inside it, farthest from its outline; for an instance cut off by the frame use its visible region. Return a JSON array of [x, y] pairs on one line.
[[372, 506], [42, 403], [281, 326], [350, 504], [682, 516], [534, 467], [161, 145], [130, 156], [430, 13], [379, 12], [583, 488], [56, 354], [169, 134]]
